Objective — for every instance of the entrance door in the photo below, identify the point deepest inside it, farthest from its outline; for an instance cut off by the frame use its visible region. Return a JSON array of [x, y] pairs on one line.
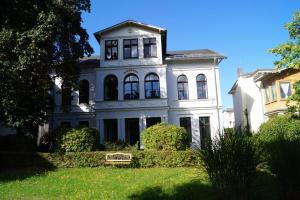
[[132, 130]]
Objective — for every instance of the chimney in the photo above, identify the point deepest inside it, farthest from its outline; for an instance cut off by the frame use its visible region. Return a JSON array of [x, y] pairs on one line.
[[239, 71]]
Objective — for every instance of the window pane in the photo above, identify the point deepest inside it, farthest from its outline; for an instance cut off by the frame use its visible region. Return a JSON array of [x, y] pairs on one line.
[[114, 53], [182, 78], [127, 53], [134, 51], [115, 42], [111, 88], [146, 41], [134, 41], [108, 42], [126, 42], [204, 127], [274, 96], [285, 90], [153, 50], [153, 40], [185, 122], [146, 51], [108, 53]]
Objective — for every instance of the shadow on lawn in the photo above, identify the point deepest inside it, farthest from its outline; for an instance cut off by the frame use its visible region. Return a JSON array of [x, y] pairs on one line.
[[19, 166], [188, 191], [265, 188]]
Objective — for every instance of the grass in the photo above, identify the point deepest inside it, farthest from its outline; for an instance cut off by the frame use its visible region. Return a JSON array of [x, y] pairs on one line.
[[106, 183]]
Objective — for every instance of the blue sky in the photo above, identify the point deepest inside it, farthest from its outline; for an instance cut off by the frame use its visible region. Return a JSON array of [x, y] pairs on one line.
[[243, 30]]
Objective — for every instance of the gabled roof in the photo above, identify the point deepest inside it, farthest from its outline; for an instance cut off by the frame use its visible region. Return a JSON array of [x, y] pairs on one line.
[[128, 23], [193, 54], [163, 31], [255, 74]]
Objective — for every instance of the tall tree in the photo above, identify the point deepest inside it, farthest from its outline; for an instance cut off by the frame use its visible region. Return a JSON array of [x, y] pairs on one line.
[[38, 41], [290, 57]]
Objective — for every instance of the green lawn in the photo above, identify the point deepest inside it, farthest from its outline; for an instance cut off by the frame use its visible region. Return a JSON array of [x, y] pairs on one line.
[[106, 183]]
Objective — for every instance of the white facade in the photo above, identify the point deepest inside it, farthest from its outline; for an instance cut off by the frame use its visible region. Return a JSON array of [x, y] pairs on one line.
[[119, 115], [228, 118], [247, 100]]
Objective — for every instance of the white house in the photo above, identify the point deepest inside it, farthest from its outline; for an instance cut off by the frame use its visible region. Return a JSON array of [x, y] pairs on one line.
[[228, 118], [247, 100], [136, 83]]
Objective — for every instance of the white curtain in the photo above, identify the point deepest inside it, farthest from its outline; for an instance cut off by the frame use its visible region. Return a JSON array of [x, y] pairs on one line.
[[285, 87]]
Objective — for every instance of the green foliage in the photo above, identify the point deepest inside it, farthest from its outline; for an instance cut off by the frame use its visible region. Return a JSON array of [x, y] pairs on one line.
[[282, 126], [147, 159], [119, 145], [78, 139], [231, 162], [290, 53], [228, 131], [279, 138], [165, 137], [290, 50], [293, 102], [37, 39]]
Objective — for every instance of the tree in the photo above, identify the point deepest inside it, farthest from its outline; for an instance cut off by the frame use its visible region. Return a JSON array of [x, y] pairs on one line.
[[290, 57], [39, 40]]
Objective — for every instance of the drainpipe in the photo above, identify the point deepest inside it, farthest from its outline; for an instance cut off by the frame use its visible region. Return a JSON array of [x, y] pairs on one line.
[[217, 95]]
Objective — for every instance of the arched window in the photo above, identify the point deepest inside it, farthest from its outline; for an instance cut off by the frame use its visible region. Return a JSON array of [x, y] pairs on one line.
[[152, 86], [84, 91], [201, 86], [111, 87], [183, 88], [65, 95], [131, 87]]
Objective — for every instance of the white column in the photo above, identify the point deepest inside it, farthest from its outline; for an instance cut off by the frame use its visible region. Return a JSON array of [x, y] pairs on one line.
[[142, 122], [120, 89], [122, 129], [120, 135]]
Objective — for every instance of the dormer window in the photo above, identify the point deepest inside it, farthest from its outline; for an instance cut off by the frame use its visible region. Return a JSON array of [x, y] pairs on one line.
[[130, 48], [150, 47], [111, 49]]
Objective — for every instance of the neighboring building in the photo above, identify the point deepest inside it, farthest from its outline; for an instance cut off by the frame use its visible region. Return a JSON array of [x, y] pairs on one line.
[[136, 83], [263, 93], [276, 87], [247, 100], [228, 118]]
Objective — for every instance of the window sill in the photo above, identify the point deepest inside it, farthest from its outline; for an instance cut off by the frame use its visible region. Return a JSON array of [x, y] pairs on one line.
[[130, 58], [271, 102], [150, 57]]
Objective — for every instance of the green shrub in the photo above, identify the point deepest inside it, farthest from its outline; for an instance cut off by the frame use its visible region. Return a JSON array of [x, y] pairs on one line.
[[97, 159], [279, 140], [78, 139], [119, 145], [283, 126], [165, 137], [228, 131], [231, 164]]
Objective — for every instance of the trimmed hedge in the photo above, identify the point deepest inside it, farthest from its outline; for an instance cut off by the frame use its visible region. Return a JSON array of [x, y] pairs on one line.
[[165, 137], [96, 159], [78, 139]]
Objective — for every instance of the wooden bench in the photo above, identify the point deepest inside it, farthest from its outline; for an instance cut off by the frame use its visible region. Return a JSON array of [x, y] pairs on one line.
[[118, 158]]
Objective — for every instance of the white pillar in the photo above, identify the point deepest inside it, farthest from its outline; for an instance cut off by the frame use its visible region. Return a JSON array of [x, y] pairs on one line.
[[120, 135], [142, 122]]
